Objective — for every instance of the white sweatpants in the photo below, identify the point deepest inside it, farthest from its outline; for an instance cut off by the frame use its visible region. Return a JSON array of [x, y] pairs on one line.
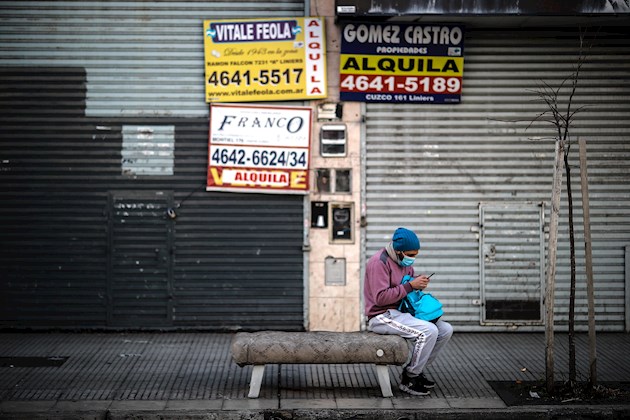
[[427, 339]]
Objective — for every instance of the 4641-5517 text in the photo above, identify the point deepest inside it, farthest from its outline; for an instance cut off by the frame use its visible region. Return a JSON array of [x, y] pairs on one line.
[[262, 77]]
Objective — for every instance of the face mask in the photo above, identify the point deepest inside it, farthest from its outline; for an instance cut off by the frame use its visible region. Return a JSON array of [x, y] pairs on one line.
[[407, 261]]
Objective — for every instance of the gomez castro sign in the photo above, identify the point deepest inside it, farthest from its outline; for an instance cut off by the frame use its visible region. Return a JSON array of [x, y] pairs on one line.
[[407, 63], [264, 60]]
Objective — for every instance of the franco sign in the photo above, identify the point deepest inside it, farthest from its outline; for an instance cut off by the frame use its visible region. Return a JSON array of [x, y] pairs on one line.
[[261, 149]]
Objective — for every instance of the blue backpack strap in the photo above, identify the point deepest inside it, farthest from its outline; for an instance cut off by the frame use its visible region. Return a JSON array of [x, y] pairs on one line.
[[405, 303]]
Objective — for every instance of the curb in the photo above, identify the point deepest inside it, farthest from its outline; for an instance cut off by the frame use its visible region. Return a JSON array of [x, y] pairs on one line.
[[529, 412]]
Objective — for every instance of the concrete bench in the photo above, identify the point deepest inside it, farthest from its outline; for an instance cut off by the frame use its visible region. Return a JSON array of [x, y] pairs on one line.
[[278, 347]]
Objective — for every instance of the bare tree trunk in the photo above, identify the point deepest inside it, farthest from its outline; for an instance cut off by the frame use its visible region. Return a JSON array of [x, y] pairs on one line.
[[551, 264], [588, 254], [572, 372], [562, 123]]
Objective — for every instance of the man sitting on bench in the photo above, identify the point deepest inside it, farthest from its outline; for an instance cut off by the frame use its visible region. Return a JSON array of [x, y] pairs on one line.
[[383, 293]]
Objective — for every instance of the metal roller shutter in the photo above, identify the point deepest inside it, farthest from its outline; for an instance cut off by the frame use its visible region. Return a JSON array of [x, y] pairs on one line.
[[103, 129], [432, 167], [142, 58]]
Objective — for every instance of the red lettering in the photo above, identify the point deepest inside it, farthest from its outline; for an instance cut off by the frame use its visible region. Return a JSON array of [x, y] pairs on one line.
[[262, 178]]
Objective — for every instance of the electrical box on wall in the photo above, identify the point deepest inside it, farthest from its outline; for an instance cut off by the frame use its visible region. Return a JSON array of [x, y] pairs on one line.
[[333, 139], [335, 274], [343, 180], [341, 216], [319, 214], [322, 180]]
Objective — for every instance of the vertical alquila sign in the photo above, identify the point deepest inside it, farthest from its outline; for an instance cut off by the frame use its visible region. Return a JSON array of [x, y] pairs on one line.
[[406, 63], [265, 60]]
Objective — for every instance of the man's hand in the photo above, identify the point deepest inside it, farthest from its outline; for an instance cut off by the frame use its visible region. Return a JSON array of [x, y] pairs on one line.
[[420, 282]]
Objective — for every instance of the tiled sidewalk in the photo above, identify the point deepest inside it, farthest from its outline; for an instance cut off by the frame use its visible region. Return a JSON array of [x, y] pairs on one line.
[[194, 371]]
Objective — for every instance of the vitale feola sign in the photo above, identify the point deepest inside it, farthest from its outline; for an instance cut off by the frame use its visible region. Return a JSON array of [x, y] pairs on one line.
[[265, 60]]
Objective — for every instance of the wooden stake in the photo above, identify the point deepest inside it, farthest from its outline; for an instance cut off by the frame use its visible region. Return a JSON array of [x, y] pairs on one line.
[[551, 264], [588, 253]]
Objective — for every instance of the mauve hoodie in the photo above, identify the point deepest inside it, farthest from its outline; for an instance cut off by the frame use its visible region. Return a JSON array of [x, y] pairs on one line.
[[381, 287]]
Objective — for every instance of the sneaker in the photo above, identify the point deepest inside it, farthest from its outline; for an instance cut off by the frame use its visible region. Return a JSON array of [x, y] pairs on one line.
[[412, 385], [426, 382]]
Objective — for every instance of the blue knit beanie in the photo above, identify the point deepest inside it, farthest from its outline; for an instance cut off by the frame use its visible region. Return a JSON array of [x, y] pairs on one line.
[[405, 240]]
